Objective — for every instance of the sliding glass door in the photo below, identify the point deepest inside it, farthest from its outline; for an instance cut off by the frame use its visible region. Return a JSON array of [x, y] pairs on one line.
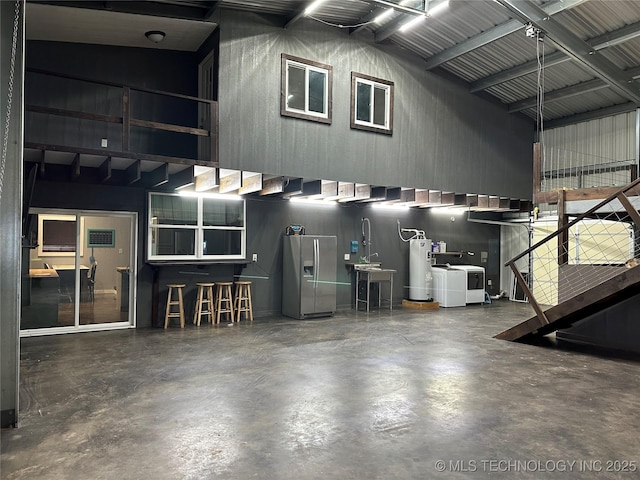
[[78, 274]]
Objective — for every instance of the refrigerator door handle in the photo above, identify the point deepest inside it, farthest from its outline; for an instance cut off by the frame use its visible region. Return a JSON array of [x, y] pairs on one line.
[[316, 261]]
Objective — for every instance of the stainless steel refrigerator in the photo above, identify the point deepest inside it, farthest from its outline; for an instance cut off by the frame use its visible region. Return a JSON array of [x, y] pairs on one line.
[[309, 276]]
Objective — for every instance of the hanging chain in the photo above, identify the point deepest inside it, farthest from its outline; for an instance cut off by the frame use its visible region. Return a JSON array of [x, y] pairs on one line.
[[5, 138]]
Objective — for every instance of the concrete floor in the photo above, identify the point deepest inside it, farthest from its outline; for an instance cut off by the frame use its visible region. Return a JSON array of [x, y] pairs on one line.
[[383, 396]]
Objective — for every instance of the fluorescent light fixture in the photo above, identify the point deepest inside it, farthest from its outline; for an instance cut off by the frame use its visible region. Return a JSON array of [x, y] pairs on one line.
[[390, 206], [436, 9], [450, 210], [311, 8], [412, 23], [309, 201], [383, 15], [220, 196]]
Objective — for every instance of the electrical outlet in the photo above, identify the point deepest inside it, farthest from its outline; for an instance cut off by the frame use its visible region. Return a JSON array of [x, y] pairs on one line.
[[489, 282], [347, 256], [254, 258], [104, 143]]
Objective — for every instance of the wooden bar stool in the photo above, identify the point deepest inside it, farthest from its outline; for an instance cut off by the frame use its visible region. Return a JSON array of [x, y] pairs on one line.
[[170, 303], [224, 301], [205, 303], [242, 300]]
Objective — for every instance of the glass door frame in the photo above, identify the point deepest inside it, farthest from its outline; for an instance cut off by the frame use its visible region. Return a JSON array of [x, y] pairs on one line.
[[80, 235]]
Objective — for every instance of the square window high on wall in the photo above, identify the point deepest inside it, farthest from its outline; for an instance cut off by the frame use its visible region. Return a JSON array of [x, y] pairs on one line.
[[371, 104], [306, 89]]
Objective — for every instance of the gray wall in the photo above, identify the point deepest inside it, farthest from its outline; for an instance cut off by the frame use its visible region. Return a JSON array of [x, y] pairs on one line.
[[10, 216], [266, 221], [444, 138]]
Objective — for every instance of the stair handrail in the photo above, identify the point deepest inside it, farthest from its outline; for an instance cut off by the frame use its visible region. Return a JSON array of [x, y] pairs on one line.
[[579, 218], [619, 194]]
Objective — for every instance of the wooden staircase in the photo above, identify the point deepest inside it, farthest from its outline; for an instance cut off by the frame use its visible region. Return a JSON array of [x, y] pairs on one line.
[[610, 289], [622, 286]]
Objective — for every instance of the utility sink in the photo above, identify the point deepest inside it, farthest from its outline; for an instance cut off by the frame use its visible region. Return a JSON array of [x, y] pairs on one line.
[[367, 266], [376, 274]]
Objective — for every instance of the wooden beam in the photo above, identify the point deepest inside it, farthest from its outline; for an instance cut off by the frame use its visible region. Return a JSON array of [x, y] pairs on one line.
[[563, 237], [230, 180], [483, 201], [41, 166], [447, 198], [435, 197], [537, 167], [272, 185], [169, 127], [159, 176], [251, 182], [633, 213], [132, 173], [104, 170], [393, 193], [126, 118], [214, 133], [408, 195], [119, 154], [421, 197], [346, 190], [363, 191], [207, 180], [73, 114], [293, 186], [182, 178], [75, 167]]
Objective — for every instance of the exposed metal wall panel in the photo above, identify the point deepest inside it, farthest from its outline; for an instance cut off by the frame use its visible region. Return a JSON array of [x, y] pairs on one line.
[[444, 138], [10, 215], [598, 141]]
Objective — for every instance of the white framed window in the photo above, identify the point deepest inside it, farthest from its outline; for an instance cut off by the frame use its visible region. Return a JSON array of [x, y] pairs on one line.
[[371, 104], [196, 227], [306, 89]]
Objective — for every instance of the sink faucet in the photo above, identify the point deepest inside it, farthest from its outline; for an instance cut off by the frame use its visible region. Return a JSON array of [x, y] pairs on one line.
[[368, 259], [366, 238]]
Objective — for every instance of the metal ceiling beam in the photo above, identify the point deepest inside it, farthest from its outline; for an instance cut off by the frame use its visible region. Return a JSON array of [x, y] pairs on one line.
[[494, 34], [566, 92], [394, 24], [366, 19], [592, 115], [298, 15], [610, 39], [576, 48]]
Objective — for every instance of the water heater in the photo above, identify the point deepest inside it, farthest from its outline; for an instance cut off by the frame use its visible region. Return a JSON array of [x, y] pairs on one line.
[[420, 278]]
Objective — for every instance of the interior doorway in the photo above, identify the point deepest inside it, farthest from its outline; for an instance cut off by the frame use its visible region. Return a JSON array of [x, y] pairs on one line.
[[79, 276]]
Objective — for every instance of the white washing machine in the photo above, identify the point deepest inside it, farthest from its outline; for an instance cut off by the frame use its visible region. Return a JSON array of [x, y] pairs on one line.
[[449, 286], [475, 284]]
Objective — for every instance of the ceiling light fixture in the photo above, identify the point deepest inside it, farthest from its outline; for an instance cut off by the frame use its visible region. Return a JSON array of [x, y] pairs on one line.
[[436, 9], [383, 15], [156, 36], [412, 23], [311, 8]]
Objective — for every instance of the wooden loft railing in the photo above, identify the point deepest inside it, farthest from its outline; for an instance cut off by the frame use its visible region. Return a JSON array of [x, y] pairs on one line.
[[127, 120], [588, 193]]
